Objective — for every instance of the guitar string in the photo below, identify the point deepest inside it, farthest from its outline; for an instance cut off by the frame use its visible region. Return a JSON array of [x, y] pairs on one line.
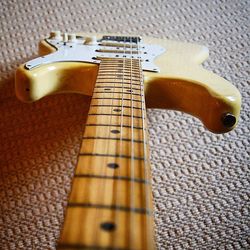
[[121, 164], [100, 189], [103, 171], [132, 188], [145, 156], [111, 120]]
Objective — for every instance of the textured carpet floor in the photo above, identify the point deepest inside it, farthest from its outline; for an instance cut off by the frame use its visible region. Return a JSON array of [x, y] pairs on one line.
[[200, 180]]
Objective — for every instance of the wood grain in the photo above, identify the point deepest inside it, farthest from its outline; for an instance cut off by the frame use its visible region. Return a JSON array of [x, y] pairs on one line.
[[110, 204]]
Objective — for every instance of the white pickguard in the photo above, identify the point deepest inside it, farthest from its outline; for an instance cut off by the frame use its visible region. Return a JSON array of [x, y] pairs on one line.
[[77, 51]]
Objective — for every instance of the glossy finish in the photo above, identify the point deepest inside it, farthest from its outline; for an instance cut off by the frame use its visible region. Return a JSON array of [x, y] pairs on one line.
[[182, 84]]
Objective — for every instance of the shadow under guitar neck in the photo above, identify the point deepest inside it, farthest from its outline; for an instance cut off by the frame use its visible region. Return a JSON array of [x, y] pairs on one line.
[[38, 152]]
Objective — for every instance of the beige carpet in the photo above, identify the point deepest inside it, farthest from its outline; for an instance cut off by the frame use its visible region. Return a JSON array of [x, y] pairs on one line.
[[201, 181]]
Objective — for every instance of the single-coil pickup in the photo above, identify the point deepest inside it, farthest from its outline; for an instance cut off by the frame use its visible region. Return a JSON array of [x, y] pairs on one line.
[[118, 51], [120, 44]]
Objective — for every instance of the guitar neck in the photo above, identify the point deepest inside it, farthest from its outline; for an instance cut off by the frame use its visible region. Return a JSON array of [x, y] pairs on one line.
[[110, 204]]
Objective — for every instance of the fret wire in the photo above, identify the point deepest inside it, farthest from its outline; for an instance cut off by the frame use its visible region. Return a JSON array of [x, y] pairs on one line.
[[114, 78], [118, 83], [116, 87], [117, 76], [98, 81], [113, 207], [108, 98], [119, 63], [113, 82], [111, 114], [119, 69], [114, 125], [115, 155], [117, 106], [112, 177], [115, 73], [115, 92], [110, 138]]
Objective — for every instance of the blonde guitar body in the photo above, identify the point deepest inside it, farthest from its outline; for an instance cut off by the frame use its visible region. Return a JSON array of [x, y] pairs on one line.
[[182, 83], [174, 79]]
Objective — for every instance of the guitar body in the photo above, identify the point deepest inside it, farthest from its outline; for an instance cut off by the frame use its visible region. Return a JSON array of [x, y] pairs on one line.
[[110, 204], [181, 79]]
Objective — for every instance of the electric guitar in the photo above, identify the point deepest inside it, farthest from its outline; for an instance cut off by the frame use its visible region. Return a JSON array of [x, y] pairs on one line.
[[110, 204]]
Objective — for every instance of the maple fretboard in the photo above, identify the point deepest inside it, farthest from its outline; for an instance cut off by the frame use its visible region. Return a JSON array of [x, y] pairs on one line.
[[110, 204]]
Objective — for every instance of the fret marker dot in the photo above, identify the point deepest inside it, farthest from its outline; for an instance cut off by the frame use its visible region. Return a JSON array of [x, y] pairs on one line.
[[129, 90], [108, 226], [113, 165], [115, 131], [117, 110]]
